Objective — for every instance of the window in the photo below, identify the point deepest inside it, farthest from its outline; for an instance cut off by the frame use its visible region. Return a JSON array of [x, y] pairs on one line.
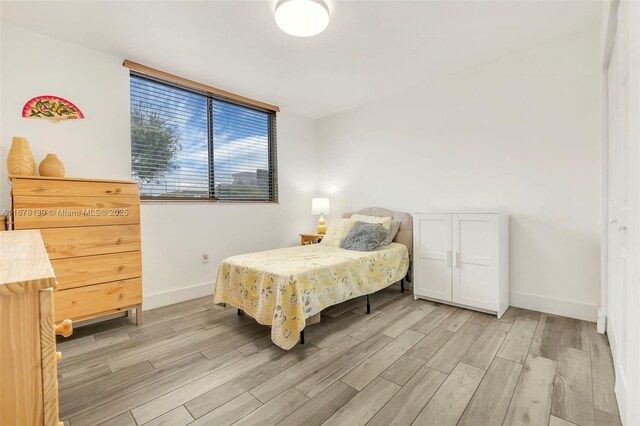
[[187, 144]]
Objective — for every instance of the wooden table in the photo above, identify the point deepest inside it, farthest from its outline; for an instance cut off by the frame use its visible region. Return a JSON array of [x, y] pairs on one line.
[[306, 239]]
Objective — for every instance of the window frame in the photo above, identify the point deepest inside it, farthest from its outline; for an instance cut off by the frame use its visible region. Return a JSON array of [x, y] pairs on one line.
[[272, 154]]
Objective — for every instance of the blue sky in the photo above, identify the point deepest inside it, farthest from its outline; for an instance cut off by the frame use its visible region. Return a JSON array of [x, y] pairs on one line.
[[240, 135]]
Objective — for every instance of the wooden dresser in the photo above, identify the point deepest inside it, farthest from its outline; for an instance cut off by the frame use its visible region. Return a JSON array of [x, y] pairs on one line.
[[91, 231], [28, 357]]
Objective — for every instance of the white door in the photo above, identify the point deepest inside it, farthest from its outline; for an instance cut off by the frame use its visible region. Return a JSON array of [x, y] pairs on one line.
[[432, 252], [475, 260], [623, 298], [618, 78]]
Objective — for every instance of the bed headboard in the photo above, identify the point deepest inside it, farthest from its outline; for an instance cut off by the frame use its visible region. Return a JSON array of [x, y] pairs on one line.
[[405, 233]]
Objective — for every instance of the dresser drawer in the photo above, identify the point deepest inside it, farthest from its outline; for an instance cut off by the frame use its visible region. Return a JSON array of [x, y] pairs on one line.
[[87, 241], [86, 302], [70, 188], [82, 271], [57, 212]]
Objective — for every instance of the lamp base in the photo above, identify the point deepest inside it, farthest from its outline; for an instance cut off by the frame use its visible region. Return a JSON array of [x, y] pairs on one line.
[[322, 228]]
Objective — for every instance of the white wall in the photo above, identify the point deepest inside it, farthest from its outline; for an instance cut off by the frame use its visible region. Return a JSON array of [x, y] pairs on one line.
[[519, 134], [35, 65], [173, 234]]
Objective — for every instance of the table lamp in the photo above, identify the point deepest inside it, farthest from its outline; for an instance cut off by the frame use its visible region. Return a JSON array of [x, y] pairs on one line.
[[320, 206]]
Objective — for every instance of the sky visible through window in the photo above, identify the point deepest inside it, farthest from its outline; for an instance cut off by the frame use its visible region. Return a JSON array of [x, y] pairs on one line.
[[164, 115]]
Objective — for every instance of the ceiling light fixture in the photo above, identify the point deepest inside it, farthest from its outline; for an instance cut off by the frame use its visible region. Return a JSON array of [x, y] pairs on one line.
[[302, 18]]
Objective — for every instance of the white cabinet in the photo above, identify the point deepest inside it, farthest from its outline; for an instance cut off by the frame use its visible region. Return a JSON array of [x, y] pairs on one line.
[[462, 258]]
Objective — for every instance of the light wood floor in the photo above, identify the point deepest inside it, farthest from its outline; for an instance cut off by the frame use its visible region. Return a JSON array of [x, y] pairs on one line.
[[409, 362]]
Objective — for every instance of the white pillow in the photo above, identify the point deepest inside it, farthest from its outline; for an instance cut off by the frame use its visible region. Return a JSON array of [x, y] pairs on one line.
[[385, 221], [393, 230], [336, 232]]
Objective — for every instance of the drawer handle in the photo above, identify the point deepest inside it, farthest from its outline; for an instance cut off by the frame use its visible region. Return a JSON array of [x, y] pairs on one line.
[[65, 328], [42, 187], [121, 268], [119, 241], [58, 356]]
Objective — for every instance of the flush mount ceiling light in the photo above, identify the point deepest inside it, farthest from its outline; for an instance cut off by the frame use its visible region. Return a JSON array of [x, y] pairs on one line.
[[302, 18]]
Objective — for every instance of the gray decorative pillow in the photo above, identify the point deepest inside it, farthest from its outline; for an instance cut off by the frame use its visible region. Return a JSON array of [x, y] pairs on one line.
[[393, 230], [364, 236]]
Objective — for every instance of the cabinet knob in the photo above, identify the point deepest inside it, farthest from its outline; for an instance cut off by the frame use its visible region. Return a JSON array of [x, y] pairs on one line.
[[121, 268], [42, 187], [119, 241], [58, 356], [65, 328], [118, 190]]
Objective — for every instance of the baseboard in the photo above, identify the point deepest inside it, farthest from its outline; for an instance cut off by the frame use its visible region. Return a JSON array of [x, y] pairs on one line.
[[565, 308], [602, 322], [170, 297]]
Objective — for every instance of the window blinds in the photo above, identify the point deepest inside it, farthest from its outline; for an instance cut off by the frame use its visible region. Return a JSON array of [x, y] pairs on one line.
[[192, 145]]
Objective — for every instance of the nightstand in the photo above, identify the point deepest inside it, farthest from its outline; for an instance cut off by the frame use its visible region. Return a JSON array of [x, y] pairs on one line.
[[306, 239]]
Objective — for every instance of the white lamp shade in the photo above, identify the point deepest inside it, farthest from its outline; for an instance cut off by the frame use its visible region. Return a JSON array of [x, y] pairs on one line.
[[302, 18], [320, 206]]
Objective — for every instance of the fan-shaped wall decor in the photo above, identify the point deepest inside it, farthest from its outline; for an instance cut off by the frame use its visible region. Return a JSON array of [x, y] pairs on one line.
[[51, 108]]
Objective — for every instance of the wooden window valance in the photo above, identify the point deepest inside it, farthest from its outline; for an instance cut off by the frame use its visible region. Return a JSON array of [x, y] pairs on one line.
[[143, 69]]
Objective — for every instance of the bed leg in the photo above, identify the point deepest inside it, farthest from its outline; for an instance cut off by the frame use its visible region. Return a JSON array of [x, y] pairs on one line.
[[239, 311], [302, 337], [368, 305], [402, 285]]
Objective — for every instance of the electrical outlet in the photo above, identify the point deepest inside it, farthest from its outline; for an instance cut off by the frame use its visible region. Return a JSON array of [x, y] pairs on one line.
[[205, 257]]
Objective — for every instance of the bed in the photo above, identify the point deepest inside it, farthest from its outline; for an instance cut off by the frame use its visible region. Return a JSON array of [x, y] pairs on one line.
[[285, 288]]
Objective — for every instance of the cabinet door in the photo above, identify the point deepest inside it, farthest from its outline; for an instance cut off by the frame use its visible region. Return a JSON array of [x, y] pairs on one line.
[[432, 263], [475, 260]]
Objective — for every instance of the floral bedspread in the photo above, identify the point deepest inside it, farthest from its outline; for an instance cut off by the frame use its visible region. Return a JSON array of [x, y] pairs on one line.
[[283, 287]]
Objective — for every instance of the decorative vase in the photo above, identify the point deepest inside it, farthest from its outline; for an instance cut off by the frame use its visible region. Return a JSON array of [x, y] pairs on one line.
[[20, 160], [51, 166]]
